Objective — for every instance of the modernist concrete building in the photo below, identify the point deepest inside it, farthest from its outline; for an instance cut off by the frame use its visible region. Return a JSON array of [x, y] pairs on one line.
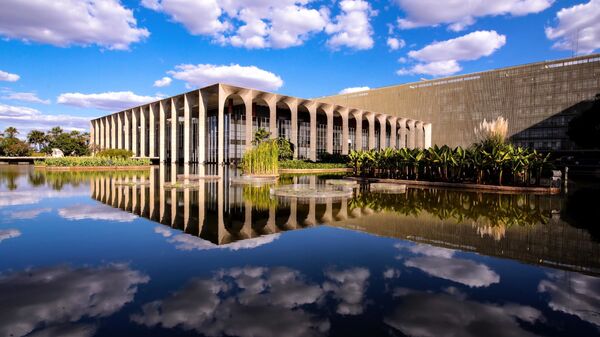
[[538, 100], [210, 125]]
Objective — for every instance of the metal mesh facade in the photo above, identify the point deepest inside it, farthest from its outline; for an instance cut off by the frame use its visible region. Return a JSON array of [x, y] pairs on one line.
[[538, 100]]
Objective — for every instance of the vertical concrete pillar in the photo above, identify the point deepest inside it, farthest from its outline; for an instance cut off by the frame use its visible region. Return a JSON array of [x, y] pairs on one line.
[[113, 131], [419, 136], [402, 132], [102, 134], [152, 131], [293, 105], [329, 134], [312, 109], [161, 192], [187, 121], [382, 131], [96, 133], [393, 132], [221, 125], [371, 120], [120, 130], [272, 102], [161, 131], [126, 115], [427, 130], [248, 130], [143, 132], [106, 132], [174, 123], [358, 115], [135, 117], [201, 201], [410, 142], [92, 135], [151, 192], [345, 130], [202, 107]]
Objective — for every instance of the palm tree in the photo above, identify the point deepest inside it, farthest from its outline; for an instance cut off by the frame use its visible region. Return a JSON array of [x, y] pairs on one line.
[[260, 135], [10, 132], [36, 138]]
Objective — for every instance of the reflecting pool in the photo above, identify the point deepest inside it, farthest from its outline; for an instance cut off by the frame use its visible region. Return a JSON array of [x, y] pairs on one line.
[[127, 254]]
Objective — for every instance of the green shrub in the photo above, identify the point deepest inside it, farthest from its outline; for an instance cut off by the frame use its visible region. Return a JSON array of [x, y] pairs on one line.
[[115, 153], [92, 161], [263, 159], [307, 165]]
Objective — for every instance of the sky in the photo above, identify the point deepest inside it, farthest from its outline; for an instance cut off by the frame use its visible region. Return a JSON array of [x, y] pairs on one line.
[[63, 62]]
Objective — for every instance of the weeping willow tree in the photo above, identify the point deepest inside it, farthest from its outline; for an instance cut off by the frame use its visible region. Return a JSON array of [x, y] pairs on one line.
[[262, 159]]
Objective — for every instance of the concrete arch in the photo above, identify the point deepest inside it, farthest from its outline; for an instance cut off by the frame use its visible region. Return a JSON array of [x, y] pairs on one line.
[[402, 133]]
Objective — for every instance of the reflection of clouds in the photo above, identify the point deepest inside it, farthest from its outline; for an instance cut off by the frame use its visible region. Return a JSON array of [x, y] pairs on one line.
[[184, 241], [349, 287], [24, 196], [28, 214], [66, 330], [391, 273], [249, 301], [50, 296], [574, 294], [422, 314], [440, 262], [95, 212], [10, 233]]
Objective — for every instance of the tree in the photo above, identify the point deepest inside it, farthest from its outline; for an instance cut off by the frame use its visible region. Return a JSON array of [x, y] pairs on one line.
[[260, 135], [36, 138], [584, 128], [11, 132], [285, 147]]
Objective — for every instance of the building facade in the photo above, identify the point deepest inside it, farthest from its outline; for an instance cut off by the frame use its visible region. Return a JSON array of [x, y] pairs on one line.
[[216, 124], [538, 100]]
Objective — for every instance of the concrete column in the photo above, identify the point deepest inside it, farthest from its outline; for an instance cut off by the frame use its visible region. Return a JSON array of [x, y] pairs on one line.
[[161, 192], [187, 121], [312, 109], [202, 108], [92, 135], [419, 136], [272, 102], [248, 130], [106, 132], [293, 105], [174, 123], [120, 130], [134, 131], [113, 131], [410, 142], [402, 132], [143, 132], [345, 130], [329, 135], [201, 201], [102, 134], [161, 131], [393, 132], [427, 130], [382, 130], [152, 131], [358, 136], [292, 221], [221, 126], [371, 120], [152, 190], [96, 127], [126, 115]]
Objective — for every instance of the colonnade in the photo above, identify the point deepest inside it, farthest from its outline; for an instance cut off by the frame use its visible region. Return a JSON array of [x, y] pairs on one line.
[[177, 129]]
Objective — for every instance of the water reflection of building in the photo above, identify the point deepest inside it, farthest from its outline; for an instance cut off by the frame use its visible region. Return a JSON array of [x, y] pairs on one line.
[[221, 213]]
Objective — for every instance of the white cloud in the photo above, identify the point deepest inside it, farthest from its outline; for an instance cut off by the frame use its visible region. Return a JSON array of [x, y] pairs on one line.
[[30, 97], [248, 23], [50, 297], [66, 22], [202, 75], [578, 27], [26, 119], [352, 28], [163, 82], [353, 90], [95, 212], [349, 287], [28, 214], [442, 58], [574, 294], [10, 233], [112, 101], [8, 77], [395, 43], [189, 242], [457, 316], [459, 15]]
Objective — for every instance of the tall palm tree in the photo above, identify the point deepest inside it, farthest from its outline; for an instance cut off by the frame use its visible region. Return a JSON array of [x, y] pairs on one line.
[[11, 132], [36, 138]]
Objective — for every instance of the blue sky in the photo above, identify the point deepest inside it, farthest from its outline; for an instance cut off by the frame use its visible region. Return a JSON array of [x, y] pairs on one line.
[[64, 61]]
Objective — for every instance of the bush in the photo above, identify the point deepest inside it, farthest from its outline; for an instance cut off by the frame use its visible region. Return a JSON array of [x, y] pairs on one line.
[[14, 147], [115, 153], [286, 148], [92, 161], [307, 165], [263, 159]]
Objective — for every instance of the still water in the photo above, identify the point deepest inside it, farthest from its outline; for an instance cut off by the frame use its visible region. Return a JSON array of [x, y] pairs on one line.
[[120, 254]]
